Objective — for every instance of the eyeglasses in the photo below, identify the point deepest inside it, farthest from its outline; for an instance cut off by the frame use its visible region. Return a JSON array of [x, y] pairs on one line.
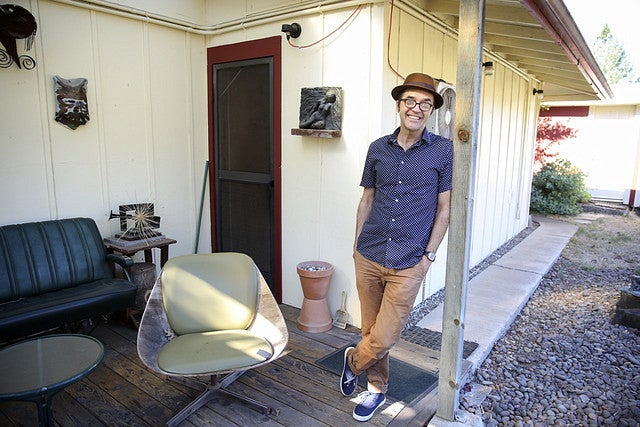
[[411, 103]]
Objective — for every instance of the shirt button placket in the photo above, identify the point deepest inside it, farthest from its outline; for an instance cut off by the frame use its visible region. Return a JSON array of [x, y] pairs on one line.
[[389, 256]]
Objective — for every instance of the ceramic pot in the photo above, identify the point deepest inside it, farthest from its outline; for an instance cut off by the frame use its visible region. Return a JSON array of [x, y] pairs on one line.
[[314, 278]]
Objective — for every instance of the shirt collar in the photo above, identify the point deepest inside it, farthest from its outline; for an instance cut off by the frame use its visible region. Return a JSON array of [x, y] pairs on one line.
[[426, 137]]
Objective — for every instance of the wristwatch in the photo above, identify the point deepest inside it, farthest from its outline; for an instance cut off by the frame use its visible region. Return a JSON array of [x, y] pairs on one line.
[[431, 256]]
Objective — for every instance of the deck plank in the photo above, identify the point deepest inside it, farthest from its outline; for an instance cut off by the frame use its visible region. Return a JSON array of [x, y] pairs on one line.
[[107, 409], [123, 391], [70, 413]]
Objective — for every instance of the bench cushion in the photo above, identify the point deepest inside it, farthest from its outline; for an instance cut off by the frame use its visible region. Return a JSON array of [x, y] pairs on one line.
[[53, 273], [39, 257], [36, 313]]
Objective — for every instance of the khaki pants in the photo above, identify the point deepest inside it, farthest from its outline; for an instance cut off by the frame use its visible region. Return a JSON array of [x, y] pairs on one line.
[[386, 299]]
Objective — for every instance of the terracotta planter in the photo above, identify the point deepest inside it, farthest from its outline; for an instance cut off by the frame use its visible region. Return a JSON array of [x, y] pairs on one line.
[[314, 278]]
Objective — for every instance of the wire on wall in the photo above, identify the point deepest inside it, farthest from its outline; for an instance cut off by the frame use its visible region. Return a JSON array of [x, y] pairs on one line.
[[328, 35], [389, 43]]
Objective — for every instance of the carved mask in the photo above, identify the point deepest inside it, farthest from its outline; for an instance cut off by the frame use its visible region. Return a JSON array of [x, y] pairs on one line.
[[72, 109]]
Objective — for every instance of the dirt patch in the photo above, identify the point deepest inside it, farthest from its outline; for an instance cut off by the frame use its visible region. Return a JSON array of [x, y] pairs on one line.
[[605, 242]]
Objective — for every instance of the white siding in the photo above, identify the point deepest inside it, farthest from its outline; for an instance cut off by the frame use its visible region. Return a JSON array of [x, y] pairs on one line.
[[606, 148], [146, 139], [504, 161]]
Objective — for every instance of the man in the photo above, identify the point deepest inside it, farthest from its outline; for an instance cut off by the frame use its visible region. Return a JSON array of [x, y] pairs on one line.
[[401, 220]]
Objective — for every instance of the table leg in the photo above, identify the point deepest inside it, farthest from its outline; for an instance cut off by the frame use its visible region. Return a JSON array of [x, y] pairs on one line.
[[45, 412], [164, 255], [148, 255], [131, 317]]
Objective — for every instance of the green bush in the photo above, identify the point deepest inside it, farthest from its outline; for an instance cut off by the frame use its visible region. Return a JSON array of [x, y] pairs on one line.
[[558, 188]]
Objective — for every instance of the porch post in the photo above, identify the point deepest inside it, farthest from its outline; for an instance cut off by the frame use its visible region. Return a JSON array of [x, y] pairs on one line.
[[466, 125]]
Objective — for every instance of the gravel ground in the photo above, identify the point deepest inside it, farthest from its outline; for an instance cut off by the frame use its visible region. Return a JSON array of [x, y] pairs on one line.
[[562, 362]]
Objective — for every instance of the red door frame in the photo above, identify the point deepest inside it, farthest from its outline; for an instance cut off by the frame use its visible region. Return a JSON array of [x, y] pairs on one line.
[[269, 47]]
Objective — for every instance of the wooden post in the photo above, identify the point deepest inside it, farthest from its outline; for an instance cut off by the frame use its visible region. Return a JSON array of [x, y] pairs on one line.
[[466, 124]]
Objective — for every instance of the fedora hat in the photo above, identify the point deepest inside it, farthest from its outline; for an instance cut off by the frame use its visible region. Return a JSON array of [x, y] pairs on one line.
[[418, 81]]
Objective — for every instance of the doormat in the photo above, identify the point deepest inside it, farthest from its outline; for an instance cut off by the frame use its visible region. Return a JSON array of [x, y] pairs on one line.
[[406, 382], [433, 340]]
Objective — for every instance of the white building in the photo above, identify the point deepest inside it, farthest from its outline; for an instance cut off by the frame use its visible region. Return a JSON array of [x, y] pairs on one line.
[[174, 84], [606, 146]]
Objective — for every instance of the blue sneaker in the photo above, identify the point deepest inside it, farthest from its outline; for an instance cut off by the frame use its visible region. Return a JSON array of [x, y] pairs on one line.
[[348, 380], [369, 403]]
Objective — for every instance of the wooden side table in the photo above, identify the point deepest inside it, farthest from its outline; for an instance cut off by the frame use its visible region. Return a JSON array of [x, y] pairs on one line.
[[131, 247]]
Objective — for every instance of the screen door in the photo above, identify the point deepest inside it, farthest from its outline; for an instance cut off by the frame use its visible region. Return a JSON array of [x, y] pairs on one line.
[[243, 123]]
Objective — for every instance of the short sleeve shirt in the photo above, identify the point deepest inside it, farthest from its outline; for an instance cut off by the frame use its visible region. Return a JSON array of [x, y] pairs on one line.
[[407, 185]]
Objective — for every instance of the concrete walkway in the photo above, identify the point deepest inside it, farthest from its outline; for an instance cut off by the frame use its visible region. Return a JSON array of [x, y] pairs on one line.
[[496, 295]]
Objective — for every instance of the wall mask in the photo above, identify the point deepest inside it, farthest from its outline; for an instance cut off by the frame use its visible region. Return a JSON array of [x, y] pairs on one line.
[[16, 22], [72, 109]]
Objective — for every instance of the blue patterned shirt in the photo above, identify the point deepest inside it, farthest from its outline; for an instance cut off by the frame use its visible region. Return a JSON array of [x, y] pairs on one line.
[[407, 185]]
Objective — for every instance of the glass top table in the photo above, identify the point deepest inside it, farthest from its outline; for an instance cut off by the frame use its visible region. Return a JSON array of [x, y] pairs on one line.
[[36, 369]]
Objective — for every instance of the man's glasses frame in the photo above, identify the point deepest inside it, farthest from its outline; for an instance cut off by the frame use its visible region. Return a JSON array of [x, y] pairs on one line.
[[410, 103]]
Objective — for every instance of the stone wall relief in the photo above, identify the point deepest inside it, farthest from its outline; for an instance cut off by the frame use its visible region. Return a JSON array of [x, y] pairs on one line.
[[320, 112]]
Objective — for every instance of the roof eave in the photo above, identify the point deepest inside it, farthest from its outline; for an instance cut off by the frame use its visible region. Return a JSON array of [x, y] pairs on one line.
[[555, 18]]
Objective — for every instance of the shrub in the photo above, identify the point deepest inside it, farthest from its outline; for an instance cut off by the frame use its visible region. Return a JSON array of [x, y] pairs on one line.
[[558, 188]]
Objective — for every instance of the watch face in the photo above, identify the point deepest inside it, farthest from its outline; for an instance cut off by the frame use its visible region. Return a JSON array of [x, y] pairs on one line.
[[431, 256]]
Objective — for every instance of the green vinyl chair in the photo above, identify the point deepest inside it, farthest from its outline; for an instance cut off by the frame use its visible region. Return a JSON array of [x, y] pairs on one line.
[[211, 316]]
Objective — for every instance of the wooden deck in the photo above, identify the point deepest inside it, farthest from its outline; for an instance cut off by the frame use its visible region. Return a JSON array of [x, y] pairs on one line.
[[122, 391]]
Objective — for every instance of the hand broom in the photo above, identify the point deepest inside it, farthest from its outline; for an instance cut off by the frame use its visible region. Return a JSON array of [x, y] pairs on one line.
[[341, 316]]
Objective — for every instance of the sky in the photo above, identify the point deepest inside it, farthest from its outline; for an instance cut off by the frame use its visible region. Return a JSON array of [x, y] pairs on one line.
[[623, 17]]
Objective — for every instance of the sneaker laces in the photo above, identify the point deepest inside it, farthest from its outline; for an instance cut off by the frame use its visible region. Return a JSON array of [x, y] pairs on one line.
[[368, 395], [349, 376]]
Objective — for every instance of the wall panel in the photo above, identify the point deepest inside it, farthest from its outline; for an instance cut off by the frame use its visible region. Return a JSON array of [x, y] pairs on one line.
[[121, 85], [504, 162], [172, 141], [25, 188], [410, 54], [433, 51], [144, 84]]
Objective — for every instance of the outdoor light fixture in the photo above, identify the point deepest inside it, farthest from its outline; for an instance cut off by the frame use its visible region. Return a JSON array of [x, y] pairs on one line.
[[538, 92], [294, 30], [488, 68]]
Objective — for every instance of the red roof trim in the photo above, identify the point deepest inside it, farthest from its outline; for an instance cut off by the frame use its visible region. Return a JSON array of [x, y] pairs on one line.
[[573, 111]]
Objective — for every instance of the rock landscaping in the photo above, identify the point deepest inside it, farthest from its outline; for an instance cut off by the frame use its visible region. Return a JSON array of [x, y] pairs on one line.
[[564, 362]]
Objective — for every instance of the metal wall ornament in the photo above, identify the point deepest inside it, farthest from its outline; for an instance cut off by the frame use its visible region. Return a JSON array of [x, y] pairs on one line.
[[72, 109], [137, 221], [16, 22]]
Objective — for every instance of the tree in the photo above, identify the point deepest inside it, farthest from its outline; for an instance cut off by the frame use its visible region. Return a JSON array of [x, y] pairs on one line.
[[613, 59], [549, 133]]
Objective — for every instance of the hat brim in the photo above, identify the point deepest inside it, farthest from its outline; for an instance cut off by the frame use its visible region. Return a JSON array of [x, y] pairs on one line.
[[398, 90]]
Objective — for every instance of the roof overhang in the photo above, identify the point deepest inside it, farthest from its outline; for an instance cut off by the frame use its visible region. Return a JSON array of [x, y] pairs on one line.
[[540, 38]]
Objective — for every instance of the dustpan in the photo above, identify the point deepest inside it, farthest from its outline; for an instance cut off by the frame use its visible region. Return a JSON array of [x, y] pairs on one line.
[[341, 316]]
